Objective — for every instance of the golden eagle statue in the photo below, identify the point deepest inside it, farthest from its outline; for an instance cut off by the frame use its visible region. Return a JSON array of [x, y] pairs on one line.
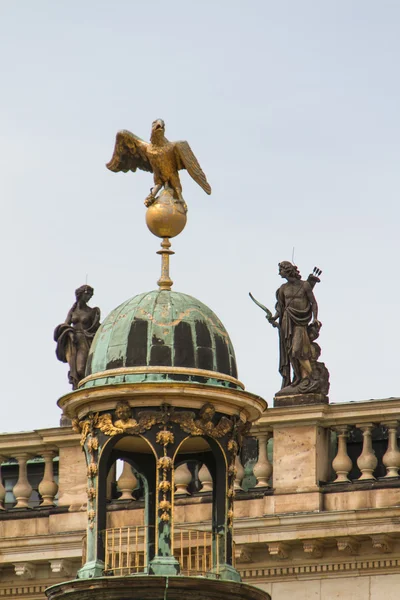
[[161, 157]]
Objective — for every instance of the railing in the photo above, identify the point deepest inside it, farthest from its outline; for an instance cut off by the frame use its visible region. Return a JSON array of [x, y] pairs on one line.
[[194, 551], [362, 442], [367, 451], [126, 550]]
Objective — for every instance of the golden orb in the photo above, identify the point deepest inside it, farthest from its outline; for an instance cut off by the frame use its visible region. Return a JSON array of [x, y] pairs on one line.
[[166, 217]]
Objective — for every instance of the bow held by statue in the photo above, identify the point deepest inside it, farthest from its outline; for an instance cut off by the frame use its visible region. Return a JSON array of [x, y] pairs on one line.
[[268, 313]]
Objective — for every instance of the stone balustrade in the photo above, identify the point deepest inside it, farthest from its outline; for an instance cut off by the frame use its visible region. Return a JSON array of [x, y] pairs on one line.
[[29, 467], [321, 445], [378, 455]]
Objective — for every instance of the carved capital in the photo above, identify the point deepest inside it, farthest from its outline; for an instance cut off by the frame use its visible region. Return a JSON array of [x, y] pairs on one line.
[[62, 566], [243, 553], [313, 548], [348, 545], [382, 542], [279, 550], [25, 570]]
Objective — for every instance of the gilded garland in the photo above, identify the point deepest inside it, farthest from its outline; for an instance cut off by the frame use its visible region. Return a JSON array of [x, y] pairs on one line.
[[124, 422]]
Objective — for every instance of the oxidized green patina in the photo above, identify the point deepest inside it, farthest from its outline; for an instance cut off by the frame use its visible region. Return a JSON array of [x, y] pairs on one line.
[[161, 329]]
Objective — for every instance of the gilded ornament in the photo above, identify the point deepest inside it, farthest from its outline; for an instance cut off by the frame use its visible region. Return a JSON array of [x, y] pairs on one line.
[[92, 470], [163, 158], [165, 463], [93, 444], [232, 470], [106, 426], [231, 493], [76, 425], [91, 515], [165, 505], [164, 486], [230, 515], [204, 424], [165, 517], [165, 437], [91, 492], [233, 446]]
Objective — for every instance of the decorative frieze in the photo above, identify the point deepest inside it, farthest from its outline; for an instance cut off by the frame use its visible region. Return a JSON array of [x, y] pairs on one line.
[[326, 569]]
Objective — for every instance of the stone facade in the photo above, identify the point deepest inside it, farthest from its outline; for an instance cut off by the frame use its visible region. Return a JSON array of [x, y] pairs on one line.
[[324, 525]]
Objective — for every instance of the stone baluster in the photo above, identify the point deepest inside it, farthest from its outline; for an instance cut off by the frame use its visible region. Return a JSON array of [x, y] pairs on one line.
[[262, 470], [22, 489], [367, 460], [182, 479], [2, 488], [391, 458], [342, 462], [205, 479], [127, 482], [239, 473], [48, 487]]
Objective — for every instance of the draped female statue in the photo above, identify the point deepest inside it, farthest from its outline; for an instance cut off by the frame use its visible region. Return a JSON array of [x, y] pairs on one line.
[[74, 336]]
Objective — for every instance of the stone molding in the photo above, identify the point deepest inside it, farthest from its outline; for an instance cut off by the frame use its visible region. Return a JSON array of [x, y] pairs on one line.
[[32, 591], [327, 569], [36, 441], [79, 403], [329, 415]]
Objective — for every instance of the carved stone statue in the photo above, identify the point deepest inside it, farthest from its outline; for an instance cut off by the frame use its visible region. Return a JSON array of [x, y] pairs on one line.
[[161, 157], [74, 337], [296, 317]]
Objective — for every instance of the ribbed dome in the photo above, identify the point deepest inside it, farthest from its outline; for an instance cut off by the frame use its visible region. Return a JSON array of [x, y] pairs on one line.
[[168, 334]]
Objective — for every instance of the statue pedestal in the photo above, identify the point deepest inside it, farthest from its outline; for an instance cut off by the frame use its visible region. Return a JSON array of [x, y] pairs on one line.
[[300, 400]]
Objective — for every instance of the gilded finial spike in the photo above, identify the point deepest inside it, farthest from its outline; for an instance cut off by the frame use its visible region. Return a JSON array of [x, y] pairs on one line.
[[165, 282]]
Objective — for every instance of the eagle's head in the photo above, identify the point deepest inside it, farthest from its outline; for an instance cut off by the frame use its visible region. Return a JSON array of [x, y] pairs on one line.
[[157, 130]]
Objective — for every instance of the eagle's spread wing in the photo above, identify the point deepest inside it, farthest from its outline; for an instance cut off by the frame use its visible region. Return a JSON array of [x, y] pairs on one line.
[[187, 160], [129, 153]]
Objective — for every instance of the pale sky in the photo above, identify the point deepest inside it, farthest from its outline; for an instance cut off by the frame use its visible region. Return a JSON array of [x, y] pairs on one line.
[[292, 109]]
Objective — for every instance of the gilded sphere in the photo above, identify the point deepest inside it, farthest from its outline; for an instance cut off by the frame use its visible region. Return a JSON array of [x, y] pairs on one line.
[[166, 218]]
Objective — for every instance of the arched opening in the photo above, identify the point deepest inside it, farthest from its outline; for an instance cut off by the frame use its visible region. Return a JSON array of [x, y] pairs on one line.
[[202, 547], [130, 548]]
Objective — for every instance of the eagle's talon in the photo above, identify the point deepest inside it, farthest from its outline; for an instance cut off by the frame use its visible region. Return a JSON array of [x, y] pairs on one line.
[[149, 200]]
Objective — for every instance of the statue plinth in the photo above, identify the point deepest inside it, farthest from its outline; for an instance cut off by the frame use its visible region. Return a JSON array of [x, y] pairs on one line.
[[300, 400]]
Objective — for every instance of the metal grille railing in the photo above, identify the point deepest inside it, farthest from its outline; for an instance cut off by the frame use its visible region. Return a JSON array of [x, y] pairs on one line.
[[126, 550], [194, 550]]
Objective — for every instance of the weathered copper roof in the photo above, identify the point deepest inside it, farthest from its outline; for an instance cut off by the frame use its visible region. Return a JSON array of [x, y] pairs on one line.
[[162, 331]]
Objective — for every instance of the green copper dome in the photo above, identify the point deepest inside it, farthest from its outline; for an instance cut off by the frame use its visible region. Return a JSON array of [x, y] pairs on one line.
[[161, 336]]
